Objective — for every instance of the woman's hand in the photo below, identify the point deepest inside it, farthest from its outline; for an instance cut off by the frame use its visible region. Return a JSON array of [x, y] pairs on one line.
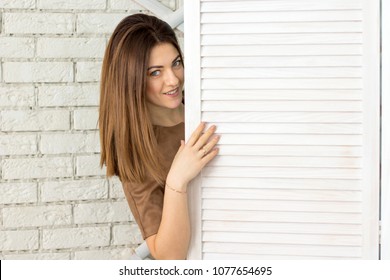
[[192, 157], [173, 236]]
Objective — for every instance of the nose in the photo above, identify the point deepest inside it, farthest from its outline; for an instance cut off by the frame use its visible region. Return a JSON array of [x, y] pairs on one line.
[[171, 78]]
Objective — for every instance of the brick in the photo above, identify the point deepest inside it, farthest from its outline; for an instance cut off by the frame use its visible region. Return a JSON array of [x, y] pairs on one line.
[[86, 119], [12, 47], [76, 237], [88, 71], [98, 22], [30, 72], [37, 216], [125, 5], [17, 144], [74, 190], [126, 234], [38, 23], [102, 212], [71, 4], [66, 143], [47, 120], [32, 168], [17, 4], [89, 166], [38, 256], [110, 254], [18, 193], [17, 96], [18, 240], [71, 47], [74, 95]]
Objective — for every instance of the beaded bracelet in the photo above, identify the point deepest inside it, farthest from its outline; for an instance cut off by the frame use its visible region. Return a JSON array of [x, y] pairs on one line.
[[175, 190]]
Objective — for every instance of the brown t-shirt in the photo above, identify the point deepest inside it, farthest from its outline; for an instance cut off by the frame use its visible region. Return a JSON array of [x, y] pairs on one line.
[[146, 199]]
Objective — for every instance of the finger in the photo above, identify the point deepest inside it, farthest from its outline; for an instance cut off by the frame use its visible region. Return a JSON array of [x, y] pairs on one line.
[[196, 134], [209, 146], [212, 154], [205, 137]]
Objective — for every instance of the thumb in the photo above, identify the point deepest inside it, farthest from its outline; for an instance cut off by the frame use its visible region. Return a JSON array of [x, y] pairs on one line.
[[182, 144]]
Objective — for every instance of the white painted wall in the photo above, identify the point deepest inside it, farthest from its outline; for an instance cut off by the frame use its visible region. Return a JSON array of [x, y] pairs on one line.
[[54, 200]]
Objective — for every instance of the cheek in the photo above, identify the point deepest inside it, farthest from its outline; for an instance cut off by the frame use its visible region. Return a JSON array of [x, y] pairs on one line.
[[152, 87]]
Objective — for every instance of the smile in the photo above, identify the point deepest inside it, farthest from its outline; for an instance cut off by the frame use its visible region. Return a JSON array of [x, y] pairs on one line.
[[172, 92]]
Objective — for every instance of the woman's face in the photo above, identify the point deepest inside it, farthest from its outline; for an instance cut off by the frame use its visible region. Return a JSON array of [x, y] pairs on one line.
[[165, 77]]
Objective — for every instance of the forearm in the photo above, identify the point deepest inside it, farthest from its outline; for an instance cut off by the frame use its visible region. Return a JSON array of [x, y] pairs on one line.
[[173, 237]]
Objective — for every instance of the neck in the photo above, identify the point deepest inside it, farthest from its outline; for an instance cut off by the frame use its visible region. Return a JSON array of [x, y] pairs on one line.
[[166, 117]]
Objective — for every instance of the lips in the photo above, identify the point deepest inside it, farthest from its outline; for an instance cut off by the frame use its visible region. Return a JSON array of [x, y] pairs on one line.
[[173, 92]]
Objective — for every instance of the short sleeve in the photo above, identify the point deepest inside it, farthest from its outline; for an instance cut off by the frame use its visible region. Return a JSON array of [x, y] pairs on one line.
[[146, 199], [146, 204]]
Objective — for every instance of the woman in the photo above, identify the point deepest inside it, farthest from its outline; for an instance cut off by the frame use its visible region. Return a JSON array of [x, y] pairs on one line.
[[141, 122]]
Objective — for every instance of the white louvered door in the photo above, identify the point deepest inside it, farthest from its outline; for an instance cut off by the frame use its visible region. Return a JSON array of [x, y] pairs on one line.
[[293, 87]]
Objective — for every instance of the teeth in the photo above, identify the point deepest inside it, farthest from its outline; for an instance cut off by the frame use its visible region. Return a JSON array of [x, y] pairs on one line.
[[171, 92]]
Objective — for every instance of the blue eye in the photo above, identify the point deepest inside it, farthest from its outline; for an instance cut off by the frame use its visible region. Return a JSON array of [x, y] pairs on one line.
[[155, 73], [177, 63]]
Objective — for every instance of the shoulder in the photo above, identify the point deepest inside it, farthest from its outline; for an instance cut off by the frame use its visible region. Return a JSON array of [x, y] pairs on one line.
[[169, 132]]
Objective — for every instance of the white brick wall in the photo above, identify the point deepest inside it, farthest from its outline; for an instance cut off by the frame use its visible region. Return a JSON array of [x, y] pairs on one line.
[[101, 23], [37, 23], [70, 143], [35, 72], [17, 96], [38, 256], [72, 4], [84, 237], [115, 254], [12, 240], [15, 4], [95, 189], [34, 120], [68, 95], [12, 193], [11, 47], [102, 212], [35, 168], [71, 47], [88, 71], [55, 202], [36, 216], [23, 144]]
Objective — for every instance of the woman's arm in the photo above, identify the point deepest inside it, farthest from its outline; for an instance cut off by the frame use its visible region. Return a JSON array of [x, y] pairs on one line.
[[173, 237]]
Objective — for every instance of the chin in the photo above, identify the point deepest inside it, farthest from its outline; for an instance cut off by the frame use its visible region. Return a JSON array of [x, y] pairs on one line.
[[175, 105]]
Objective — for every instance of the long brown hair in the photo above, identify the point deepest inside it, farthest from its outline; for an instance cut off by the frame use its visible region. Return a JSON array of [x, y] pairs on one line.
[[128, 144]]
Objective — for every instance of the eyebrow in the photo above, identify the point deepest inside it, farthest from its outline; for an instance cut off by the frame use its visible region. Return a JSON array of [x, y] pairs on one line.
[[159, 66]]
